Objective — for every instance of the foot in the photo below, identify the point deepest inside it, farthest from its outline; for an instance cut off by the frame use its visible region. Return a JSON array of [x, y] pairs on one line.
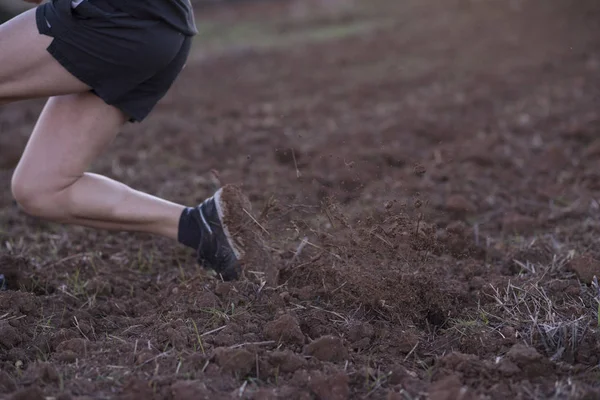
[[220, 248]]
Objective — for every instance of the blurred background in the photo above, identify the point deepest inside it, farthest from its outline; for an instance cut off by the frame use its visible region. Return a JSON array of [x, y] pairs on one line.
[[10, 8]]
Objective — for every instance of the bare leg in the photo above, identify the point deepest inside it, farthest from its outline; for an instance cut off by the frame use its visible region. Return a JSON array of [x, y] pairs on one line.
[[50, 180], [27, 70], [74, 128]]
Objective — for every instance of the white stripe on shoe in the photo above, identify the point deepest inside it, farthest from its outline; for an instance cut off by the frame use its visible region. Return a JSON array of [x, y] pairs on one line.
[[206, 224]]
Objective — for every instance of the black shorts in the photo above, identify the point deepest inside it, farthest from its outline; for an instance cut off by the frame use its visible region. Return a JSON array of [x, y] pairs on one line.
[[130, 63]]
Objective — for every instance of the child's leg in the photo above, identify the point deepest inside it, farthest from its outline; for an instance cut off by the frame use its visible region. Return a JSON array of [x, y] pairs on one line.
[[50, 180]]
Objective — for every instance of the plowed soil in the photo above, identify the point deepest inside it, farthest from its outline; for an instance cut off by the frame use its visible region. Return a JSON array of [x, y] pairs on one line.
[[426, 175]]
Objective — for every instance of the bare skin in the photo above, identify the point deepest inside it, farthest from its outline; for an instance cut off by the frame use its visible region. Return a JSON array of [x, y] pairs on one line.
[[75, 127], [30, 73]]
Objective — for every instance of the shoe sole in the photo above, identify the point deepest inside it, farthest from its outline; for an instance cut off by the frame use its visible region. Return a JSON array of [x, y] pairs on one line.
[[228, 199], [246, 240]]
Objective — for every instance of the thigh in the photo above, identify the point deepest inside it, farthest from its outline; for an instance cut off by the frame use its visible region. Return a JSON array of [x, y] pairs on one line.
[[27, 70], [72, 131]]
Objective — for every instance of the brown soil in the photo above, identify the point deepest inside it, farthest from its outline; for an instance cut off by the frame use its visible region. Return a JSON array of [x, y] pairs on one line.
[[428, 193]]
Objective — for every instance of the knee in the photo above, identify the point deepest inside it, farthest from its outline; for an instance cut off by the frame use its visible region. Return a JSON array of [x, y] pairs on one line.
[[30, 197]]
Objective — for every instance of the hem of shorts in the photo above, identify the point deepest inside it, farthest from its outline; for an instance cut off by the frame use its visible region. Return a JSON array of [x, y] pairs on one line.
[[132, 116], [69, 65]]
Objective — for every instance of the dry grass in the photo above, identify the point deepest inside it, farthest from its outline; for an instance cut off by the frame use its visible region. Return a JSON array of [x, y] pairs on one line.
[[547, 319]]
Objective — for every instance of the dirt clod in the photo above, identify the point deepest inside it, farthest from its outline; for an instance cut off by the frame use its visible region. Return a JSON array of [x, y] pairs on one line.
[[135, 389], [31, 393], [529, 360], [7, 383], [586, 267], [450, 388], [286, 361], [76, 345], [327, 348], [188, 390], [333, 387], [459, 204], [42, 371], [9, 336], [285, 329], [236, 361]]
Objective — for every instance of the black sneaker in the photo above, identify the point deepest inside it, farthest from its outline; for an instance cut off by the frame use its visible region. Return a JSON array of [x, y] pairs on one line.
[[218, 216]]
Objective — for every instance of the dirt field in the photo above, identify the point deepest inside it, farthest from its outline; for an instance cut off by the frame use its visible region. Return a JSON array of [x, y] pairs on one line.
[[427, 175]]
